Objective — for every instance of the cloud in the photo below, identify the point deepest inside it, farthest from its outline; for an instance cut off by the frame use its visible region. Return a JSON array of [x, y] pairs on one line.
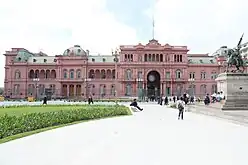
[[53, 26], [56, 25], [203, 25]]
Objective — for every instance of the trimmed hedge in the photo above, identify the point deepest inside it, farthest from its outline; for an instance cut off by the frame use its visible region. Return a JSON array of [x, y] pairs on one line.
[[58, 105], [12, 125]]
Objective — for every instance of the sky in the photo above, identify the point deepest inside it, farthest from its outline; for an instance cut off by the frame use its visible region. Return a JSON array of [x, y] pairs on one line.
[[102, 25]]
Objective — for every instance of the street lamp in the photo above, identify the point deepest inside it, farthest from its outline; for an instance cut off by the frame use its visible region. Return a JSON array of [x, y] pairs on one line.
[[87, 86], [116, 60], [36, 80], [140, 90], [192, 80]]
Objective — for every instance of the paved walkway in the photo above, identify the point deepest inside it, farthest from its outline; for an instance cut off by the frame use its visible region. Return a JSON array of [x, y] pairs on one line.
[[240, 117], [151, 137]]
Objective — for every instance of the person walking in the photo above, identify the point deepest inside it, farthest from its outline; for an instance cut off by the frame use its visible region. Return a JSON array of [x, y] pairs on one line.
[[90, 99], [174, 99], [45, 100], [166, 101], [180, 107]]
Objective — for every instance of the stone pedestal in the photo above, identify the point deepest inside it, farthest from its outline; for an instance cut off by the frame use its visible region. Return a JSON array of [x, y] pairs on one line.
[[235, 89]]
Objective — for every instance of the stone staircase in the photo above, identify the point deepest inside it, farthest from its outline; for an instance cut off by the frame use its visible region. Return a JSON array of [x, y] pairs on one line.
[[231, 105]]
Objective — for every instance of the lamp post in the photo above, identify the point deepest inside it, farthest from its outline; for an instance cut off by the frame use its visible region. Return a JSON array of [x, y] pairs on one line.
[[192, 80], [36, 80], [140, 90], [116, 60], [87, 86]]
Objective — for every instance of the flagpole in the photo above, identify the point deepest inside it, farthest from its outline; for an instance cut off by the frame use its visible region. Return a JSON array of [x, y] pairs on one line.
[[153, 26]]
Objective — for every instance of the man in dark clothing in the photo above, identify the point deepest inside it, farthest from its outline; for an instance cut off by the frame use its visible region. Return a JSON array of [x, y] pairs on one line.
[[166, 101], [185, 98], [161, 100], [207, 100], [135, 104], [90, 99], [174, 99], [192, 99], [45, 101]]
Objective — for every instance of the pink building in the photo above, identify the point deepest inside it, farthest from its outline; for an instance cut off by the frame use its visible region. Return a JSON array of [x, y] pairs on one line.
[[134, 71]]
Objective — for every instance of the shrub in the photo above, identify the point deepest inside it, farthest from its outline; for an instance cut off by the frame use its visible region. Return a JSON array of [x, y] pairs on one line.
[[12, 125]]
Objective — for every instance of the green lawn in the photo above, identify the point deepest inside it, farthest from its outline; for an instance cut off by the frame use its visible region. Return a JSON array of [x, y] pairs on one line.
[[30, 109]]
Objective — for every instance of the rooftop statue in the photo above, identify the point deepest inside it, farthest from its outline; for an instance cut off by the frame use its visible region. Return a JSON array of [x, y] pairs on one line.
[[234, 58]]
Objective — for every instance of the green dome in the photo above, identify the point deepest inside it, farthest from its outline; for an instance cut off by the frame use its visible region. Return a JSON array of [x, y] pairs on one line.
[[76, 50], [23, 56]]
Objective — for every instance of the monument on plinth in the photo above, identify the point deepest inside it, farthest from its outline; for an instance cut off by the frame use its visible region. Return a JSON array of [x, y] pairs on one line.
[[234, 83], [235, 89]]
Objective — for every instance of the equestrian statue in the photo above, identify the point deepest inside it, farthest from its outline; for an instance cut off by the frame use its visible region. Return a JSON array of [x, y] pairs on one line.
[[234, 58]]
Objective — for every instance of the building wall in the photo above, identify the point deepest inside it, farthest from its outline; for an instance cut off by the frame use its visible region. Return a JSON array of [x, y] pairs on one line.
[[76, 73]]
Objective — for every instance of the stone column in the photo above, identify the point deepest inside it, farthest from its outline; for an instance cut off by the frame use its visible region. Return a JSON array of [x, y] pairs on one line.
[[135, 88], [83, 89], [162, 88], [75, 90], [68, 90]]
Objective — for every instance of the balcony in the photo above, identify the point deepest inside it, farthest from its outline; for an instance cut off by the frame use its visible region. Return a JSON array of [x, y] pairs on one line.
[[128, 80], [72, 80], [179, 79], [176, 79]]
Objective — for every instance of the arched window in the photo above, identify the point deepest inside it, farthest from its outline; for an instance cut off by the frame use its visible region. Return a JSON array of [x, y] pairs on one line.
[[16, 89], [191, 90], [145, 58], [157, 57], [102, 90], [181, 58], [161, 57], [203, 75], [214, 88], [78, 74], [178, 58], [103, 74], [178, 74], [140, 75], [125, 57], [128, 90], [203, 89], [150, 57], [179, 89], [153, 58], [71, 74], [65, 73], [214, 75], [192, 75], [17, 74], [128, 74]]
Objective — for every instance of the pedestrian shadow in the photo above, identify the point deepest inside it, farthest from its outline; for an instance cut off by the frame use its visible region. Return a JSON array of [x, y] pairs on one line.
[[134, 109]]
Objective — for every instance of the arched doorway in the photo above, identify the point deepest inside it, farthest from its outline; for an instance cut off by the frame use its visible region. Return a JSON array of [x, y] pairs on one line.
[[153, 84]]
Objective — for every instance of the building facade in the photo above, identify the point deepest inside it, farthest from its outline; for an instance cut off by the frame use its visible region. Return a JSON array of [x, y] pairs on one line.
[[134, 71]]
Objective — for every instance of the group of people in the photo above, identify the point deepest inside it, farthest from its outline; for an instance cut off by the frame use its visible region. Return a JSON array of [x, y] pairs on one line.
[[218, 97], [180, 103]]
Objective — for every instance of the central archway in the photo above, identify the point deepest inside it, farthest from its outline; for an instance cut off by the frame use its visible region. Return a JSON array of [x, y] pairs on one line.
[[153, 84]]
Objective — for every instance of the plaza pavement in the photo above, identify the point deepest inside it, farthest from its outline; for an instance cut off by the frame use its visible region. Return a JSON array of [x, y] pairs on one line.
[[214, 110], [151, 137]]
